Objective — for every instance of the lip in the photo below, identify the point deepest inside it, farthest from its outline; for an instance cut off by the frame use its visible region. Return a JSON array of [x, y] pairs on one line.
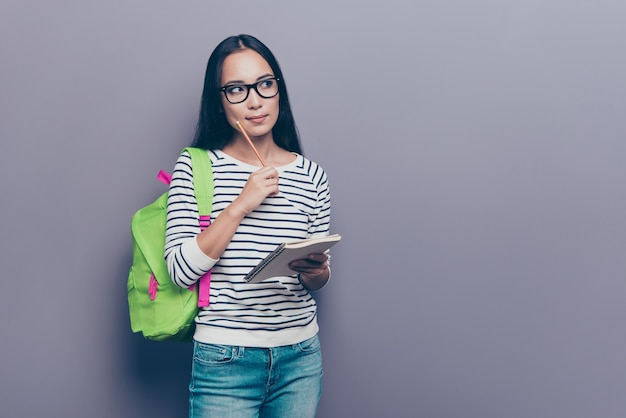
[[256, 118]]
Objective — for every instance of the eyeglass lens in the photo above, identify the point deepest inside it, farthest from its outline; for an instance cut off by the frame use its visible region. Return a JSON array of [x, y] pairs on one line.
[[237, 93]]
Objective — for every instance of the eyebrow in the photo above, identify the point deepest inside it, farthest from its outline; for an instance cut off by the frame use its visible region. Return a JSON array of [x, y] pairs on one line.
[[268, 75]]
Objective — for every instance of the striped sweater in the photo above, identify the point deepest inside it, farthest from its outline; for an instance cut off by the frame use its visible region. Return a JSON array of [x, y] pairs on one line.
[[275, 312]]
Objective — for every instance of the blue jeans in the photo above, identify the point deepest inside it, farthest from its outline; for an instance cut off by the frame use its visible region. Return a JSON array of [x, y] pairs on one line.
[[243, 382]]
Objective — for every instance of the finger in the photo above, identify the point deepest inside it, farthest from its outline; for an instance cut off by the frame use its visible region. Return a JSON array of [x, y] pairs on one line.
[[319, 257], [266, 171], [310, 271], [307, 264]]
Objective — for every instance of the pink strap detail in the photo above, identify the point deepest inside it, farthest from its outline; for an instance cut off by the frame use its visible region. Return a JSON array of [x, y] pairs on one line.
[[164, 177], [204, 290], [152, 287], [204, 283], [205, 221]]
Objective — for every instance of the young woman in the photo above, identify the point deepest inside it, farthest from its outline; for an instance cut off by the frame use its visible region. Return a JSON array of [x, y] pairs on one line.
[[256, 350]]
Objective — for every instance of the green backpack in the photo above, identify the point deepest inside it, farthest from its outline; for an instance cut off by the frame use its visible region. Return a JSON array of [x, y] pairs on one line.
[[159, 309]]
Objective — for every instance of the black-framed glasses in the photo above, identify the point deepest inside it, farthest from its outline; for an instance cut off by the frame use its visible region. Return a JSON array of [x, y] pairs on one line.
[[237, 93]]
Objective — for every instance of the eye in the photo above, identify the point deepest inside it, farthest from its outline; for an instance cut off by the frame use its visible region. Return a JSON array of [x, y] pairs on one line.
[[235, 89], [267, 84]]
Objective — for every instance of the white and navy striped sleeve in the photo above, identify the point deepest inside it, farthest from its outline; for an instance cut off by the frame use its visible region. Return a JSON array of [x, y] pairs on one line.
[[186, 262], [320, 222]]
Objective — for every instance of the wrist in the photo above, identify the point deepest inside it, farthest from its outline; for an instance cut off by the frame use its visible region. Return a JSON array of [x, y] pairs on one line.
[[237, 210], [315, 282]]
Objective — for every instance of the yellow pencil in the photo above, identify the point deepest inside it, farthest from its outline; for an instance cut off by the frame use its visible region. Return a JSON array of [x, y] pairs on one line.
[[251, 144]]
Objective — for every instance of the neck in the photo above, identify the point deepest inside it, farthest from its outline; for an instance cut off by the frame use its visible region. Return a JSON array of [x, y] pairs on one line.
[[240, 148]]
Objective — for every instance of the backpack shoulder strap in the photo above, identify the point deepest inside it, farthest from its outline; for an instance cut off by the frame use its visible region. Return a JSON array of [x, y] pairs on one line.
[[202, 173], [202, 178]]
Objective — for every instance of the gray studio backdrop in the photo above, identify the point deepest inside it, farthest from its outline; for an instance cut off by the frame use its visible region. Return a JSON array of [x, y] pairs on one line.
[[476, 156]]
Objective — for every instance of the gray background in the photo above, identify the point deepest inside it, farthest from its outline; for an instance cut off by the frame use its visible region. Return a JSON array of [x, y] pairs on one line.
[[475, 151]]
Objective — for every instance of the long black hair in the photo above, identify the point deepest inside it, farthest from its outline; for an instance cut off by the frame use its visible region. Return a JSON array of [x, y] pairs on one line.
[[213, 130]]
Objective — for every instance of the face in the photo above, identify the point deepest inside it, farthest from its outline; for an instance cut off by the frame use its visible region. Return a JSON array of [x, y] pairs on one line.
[[256, 114]]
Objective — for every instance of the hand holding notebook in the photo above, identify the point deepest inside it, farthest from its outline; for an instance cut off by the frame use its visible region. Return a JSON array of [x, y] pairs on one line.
[[277, 262]]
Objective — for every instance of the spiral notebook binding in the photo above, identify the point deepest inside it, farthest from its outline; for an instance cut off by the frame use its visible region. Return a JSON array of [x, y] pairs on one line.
[[265, 262]]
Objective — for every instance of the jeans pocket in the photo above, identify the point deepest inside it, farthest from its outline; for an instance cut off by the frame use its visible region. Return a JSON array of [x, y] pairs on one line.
[[309, 346], [213, 354]]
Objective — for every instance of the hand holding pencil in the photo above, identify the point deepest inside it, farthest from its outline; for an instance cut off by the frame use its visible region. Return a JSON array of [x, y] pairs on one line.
[[260, 184]]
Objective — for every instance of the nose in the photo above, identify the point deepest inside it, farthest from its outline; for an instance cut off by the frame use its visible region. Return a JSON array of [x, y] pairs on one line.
[[254, 100]]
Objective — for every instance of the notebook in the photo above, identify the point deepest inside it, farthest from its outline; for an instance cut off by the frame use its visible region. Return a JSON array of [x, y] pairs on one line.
[[277, 262]]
